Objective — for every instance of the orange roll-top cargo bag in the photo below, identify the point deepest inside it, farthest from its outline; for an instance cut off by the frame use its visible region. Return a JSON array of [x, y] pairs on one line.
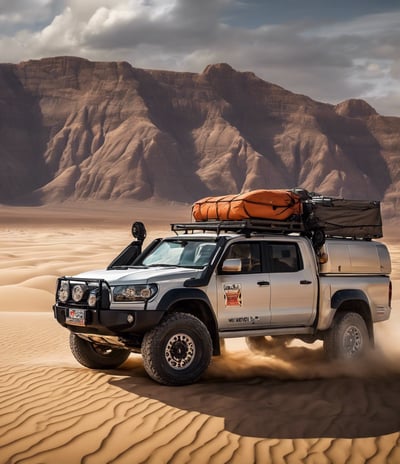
[[277, 205]]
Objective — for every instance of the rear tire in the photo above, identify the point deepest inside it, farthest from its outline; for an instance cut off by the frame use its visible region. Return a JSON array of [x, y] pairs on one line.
[[178, 350], [348, 338], [96, 356]]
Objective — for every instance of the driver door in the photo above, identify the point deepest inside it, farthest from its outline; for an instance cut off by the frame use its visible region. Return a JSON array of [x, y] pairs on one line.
[[243, 295]]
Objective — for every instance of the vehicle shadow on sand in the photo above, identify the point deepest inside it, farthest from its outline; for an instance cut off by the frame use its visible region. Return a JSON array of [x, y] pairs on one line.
[[292, 393]]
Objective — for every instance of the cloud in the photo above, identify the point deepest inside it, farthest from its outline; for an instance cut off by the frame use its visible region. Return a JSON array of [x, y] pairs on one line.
[[25, 13], [371, 43], [326, 59], [171, 25], [61, 36], [380, 24]]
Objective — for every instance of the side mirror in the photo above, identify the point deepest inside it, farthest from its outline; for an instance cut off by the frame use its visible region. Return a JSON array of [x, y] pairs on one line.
[[232, 265]]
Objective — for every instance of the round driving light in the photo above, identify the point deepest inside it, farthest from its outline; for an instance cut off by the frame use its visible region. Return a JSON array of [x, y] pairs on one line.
[[92, 300], [77, 293], [63, 292], [130, 318]]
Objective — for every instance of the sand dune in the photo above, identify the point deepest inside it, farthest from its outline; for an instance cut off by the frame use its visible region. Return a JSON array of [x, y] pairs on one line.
[[287, 407]]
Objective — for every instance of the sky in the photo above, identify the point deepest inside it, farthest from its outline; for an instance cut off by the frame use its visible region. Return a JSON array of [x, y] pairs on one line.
[[328, 50]]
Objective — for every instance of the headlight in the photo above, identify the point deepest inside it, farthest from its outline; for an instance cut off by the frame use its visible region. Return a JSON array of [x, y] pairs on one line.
[[92, 300], [63, 291], [134, 292], [78, 291]]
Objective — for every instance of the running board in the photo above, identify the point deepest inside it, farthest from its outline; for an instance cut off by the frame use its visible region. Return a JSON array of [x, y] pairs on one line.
[[265, 332]]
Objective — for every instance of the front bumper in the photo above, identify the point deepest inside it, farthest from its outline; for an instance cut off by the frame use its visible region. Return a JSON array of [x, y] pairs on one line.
[[110, 322]]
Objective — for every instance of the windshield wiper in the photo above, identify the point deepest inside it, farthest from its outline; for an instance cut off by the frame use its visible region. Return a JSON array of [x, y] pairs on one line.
[[127, 266], [160, 265]]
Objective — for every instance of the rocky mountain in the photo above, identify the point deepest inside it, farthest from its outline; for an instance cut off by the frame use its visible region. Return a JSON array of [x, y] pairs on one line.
[[75, 129]]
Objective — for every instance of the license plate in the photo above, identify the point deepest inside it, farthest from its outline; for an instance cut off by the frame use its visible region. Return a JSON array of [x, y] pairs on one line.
[[76, 317]]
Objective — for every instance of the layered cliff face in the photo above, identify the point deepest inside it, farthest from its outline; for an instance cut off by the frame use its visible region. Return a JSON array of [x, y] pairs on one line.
[[75, 129]]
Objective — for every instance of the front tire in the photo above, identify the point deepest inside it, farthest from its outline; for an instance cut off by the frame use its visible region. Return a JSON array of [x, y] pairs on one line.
[[96, 356], [178, 351], [348, 338]]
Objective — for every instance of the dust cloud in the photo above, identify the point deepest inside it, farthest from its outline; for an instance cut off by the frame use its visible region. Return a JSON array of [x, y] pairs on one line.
[[295, 360]]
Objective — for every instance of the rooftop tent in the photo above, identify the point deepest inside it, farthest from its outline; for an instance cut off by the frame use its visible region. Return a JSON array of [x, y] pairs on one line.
[[347, 218], [277, 205]]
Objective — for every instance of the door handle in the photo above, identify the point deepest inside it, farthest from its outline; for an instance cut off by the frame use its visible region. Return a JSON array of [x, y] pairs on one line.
[[262, 283], [305, 282]]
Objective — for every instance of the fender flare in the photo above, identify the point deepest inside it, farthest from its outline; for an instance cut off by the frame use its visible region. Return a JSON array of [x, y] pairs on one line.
[[355, 295], [194, 294], [344, 295]]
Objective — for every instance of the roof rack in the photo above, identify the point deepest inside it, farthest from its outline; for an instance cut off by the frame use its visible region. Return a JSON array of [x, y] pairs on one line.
[[244, 226]]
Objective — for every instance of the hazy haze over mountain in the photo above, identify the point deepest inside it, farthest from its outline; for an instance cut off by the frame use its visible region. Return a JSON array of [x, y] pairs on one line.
[[75, 129]]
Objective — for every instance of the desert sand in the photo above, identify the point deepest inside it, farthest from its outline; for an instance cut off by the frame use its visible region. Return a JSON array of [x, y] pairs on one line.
[[289, 406]]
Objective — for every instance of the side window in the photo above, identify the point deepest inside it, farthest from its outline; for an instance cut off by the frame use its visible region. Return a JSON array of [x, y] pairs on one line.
[[249, 255], [285, 257]]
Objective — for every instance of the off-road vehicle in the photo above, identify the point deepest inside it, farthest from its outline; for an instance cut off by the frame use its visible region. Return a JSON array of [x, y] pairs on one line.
[[173, 301]]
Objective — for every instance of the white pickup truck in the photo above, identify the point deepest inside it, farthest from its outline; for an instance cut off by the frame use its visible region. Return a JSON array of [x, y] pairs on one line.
[[175, 300]]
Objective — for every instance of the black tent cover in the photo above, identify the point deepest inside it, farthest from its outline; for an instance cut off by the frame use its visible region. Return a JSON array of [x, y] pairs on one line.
[[339, 217]]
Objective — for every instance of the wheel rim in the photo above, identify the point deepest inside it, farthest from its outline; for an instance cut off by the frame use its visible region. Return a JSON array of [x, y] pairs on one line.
[[352, 341], [180, 351]]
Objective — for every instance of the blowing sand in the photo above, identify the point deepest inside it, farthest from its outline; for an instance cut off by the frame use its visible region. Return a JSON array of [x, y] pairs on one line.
[[287, 407]]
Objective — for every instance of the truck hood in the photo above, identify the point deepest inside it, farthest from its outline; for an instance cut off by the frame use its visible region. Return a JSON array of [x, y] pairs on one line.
[[141, 275]]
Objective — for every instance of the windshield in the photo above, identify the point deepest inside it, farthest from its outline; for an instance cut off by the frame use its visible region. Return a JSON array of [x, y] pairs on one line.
[[181, 252]]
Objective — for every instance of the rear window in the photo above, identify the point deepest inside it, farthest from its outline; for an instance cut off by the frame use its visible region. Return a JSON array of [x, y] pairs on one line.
[[285, 257]]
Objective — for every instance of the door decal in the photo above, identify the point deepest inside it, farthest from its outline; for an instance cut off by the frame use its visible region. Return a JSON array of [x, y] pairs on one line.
[[232, 295]]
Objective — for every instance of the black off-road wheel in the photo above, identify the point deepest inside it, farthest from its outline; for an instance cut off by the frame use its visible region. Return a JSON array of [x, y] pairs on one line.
[[348, 338], [178, 350], [96, 356]]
